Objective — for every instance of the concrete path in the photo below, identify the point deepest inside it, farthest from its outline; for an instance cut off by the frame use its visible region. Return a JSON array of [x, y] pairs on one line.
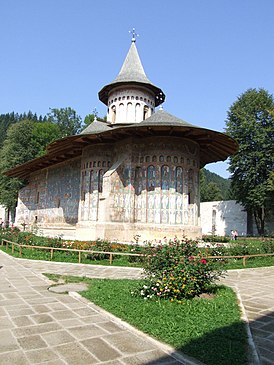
[[38, 326], [256, 289], [42, 327]]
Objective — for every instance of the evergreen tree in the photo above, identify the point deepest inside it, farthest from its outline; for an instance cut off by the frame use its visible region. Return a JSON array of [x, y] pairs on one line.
[[214, 187]]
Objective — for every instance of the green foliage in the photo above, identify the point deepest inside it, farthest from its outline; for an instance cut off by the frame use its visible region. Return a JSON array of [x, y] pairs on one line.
[[25, 140], [10, 118], [42, 135], [213, 187], [67, 120], [16, 150], [174, 273], [213, 238], [88, 120], [250, 122]]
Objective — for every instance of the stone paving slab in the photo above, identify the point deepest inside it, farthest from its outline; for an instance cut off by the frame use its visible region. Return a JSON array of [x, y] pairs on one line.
[[24, 297], [38, 326], [256, 289]]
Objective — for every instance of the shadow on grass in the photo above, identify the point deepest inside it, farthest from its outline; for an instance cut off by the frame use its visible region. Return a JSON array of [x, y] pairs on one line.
[[257, 350]]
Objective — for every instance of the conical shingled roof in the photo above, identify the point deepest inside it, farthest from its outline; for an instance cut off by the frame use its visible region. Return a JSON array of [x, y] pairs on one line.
[[132, 72], [132, 68]]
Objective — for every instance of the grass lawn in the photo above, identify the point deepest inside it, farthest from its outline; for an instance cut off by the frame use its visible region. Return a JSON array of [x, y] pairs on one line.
[[207, 329], [60, 256]]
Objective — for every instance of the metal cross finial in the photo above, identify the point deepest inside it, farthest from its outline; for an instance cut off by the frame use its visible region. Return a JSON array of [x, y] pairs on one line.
[[134, 35], [95, 113]]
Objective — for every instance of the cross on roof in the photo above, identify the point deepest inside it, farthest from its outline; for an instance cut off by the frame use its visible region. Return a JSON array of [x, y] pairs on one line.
[[134, 35]]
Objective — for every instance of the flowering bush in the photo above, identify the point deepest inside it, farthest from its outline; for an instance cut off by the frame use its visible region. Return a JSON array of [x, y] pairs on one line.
[[176, 270]]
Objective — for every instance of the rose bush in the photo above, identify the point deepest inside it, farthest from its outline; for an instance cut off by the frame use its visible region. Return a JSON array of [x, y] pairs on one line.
[[176, 270]]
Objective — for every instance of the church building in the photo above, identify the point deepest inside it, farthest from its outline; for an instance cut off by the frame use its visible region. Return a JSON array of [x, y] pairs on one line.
[[135, 174]]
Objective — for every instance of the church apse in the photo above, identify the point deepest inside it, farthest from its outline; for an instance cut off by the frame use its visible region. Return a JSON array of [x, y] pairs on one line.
[[51, 197]]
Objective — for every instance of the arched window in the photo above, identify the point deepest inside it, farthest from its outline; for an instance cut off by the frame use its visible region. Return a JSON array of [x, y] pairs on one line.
[[138, 115], [190, 187], [151, 177], [121, 117], [100, 180], [91, 181], [145, 114], [83, 192], [129, 112], [165, 177], [113, 115], [138, 180], [179, 180]]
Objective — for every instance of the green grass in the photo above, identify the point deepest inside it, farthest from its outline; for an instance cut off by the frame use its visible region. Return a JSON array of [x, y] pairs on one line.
[[250, 263], [207, 329], [61, 256]]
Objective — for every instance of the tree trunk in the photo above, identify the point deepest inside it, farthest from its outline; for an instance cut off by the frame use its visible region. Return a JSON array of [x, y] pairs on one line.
[[259, 215]]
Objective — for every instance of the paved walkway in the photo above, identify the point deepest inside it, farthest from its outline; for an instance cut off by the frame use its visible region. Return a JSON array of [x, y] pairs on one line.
[[42, 327], [38, 326], [256, 290]]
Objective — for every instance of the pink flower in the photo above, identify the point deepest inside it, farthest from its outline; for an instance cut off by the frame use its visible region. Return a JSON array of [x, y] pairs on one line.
[[203, 261]]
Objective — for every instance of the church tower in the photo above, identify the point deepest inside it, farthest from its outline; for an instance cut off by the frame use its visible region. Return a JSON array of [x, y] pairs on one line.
[[131, 97]]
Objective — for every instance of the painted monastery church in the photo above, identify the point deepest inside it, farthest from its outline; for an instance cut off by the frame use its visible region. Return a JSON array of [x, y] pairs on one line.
[[135, 174]]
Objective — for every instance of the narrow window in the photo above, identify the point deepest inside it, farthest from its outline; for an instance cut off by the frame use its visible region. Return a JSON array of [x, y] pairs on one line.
[[91, 178], [113, 117], [151, 177], [100, 181], [83, 193], [179, 180], [138, 180], [145, 114], [165, 177]]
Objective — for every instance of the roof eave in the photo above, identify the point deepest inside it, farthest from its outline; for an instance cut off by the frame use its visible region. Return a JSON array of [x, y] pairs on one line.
[[104, 92], [214, 146]]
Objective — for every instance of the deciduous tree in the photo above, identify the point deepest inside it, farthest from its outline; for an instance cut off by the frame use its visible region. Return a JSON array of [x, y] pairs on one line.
[[67, 120], [25, 141], [250, 122]]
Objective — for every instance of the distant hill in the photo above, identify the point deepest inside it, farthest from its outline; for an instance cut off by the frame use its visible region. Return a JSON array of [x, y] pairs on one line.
[[214, 187]]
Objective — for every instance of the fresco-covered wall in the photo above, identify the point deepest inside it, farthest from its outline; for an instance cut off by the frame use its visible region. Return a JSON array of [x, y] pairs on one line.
[[52, 196], [117, 190], [138, 184]]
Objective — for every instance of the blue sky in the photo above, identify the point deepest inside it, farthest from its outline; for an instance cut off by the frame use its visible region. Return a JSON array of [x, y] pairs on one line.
[[202, 53]]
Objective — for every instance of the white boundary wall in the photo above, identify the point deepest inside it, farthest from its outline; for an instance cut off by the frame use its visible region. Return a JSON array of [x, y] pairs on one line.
[[2, 213], [220, 217]]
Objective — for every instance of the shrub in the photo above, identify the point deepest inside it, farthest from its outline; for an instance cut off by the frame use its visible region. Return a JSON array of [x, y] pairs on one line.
[[176, 271], [213, 238], [268, 246]]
